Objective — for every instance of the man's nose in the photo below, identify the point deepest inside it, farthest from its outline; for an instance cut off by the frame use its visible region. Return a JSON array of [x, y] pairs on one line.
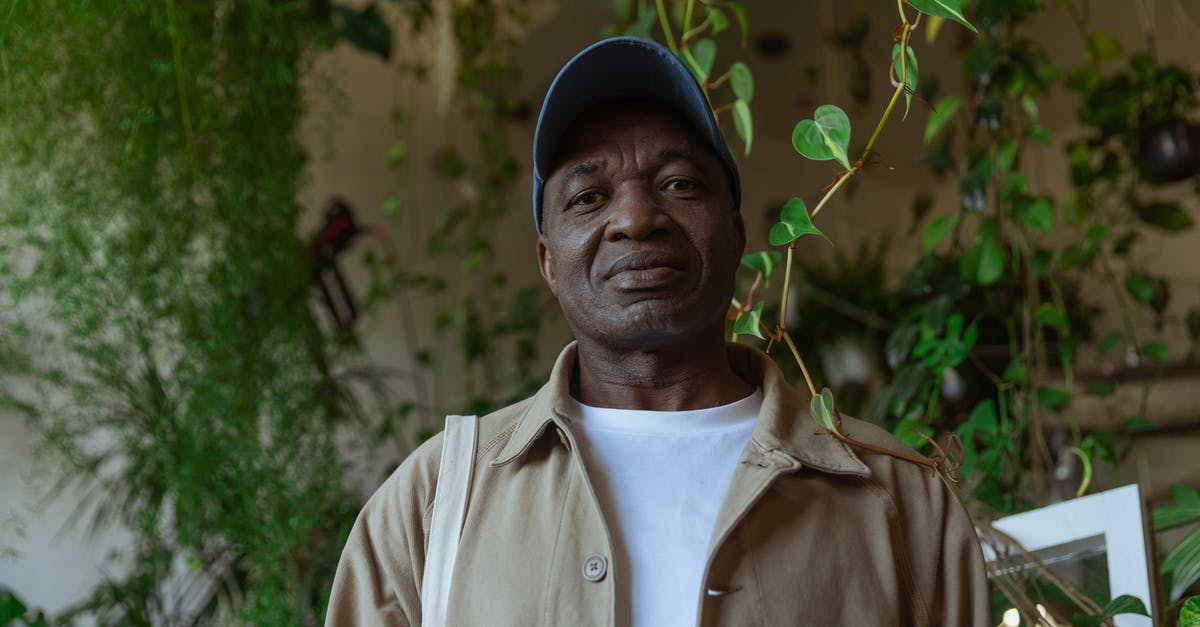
[[636, 214]]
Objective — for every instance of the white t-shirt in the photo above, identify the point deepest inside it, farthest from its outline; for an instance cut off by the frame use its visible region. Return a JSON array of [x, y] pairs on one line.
[[660, 477]]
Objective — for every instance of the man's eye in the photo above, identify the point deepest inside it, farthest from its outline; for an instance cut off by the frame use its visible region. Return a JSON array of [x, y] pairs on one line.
[[680, 185], [586, 199]]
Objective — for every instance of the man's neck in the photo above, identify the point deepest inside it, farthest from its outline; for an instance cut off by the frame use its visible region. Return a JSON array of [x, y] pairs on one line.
[[695, 376]]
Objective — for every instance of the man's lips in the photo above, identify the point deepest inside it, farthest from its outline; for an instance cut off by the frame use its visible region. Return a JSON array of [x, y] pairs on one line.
[[643, 261]]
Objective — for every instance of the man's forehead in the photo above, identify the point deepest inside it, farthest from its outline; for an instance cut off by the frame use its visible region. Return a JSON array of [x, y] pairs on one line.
[[588, 144]]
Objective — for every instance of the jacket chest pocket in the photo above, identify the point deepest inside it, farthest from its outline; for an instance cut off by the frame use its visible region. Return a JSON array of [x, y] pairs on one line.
[[814, 557]]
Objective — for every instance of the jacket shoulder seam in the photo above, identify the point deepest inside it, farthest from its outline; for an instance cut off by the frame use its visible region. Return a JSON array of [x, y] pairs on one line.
[[902, 557]]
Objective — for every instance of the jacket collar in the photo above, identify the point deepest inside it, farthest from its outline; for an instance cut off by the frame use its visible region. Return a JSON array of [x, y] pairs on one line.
[[784, 424]]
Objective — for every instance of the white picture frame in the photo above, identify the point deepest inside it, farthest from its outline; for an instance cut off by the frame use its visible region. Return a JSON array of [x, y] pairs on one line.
[[1113, 520]]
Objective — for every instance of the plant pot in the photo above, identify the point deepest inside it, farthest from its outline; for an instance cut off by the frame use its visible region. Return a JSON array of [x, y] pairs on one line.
[[1169, 151]]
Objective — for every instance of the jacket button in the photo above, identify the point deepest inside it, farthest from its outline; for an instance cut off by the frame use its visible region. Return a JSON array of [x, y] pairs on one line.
[[594, 568]]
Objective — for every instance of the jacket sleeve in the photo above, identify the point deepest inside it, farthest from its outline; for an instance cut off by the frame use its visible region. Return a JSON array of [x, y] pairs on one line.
[[378, 579], [960, 594]]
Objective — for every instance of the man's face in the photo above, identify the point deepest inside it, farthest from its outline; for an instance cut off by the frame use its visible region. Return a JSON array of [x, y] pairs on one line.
[[640, 241]]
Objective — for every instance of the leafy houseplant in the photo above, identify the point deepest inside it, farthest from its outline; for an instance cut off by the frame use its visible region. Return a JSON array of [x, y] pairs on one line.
[[155, 298]]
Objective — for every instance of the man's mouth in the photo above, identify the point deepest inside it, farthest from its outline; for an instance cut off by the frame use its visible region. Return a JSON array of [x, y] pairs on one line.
[[643, 270]]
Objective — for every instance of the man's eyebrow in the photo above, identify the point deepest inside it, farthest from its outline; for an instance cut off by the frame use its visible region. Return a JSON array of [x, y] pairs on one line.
[[667, 155], [580, 170]]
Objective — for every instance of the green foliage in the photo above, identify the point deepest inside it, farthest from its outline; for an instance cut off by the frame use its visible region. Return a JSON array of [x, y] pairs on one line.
[[1124, 604], [826, 136], [943, 112], [747, 322], [950, 9], [1189, 614], [822, 411], [155, 285], [13, 612], [1180, 567], [794, 223], [763, 261]]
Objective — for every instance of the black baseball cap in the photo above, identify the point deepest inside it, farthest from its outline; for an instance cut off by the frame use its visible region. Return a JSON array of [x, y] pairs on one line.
[[622, 68]]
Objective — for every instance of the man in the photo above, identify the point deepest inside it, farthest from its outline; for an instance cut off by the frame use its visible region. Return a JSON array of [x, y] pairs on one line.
[[662, 476]]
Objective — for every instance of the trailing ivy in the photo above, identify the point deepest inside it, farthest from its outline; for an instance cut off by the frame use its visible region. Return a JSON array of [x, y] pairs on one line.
[[155, 297]]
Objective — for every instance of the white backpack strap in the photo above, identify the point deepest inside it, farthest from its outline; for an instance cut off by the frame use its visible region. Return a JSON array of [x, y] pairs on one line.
[[449, 507]]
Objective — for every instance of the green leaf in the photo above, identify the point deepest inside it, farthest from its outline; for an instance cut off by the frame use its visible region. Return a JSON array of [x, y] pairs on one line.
[[1054, 399], [718, 21], [991, 263], [748, 322], [763, 261], [1182, 562], [1156, 351], [950, 9], [943, 112], [11, 608], [1051, 316], [1109, 342], [825, 137], [909, 72], [365, 29], [1140, 287], [741, 81], [391, 204], [822, 410], [1189, 614], [900, 344], [743, 123], [1184, 508], [1193, 323], [704, 53], [1102, 45], [396, 154], [1038, 215], [739, 12], [1138, 424], [937, 228], [1100, 388], [908, 430], [793, 223], [1164, 215], [643, 26]]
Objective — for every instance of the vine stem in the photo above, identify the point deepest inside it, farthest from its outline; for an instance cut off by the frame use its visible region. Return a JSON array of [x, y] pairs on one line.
[[666, 26], [887, 113], [787, 281], [833, 190], [800, 360]]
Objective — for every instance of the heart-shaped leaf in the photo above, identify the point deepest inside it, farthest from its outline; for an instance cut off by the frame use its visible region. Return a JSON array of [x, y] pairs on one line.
[[718, 21], [763, 261], [643, 26], [821, 408], [825, 137], [907, 73], [741, 81], [793, 223], [743, 123], [701, 56], [951, 9], [747, 322]]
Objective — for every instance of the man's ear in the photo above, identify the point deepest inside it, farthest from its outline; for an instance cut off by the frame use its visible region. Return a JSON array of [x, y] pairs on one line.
[[546, 264]]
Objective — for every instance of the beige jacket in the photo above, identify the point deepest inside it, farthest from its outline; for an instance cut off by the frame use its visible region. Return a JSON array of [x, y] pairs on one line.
[[810, 533]]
